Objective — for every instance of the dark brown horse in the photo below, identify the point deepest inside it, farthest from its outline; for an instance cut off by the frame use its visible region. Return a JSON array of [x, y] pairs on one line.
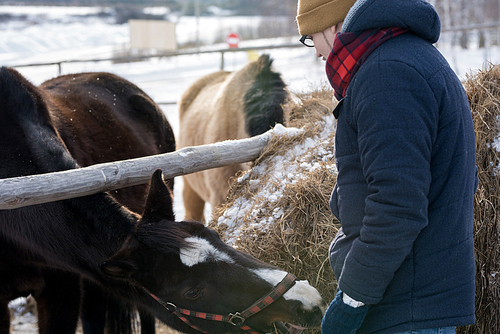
[[153, 261], [102, 118]]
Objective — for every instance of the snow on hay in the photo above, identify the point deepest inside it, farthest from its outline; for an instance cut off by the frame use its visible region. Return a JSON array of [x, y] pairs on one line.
[[278, 210]]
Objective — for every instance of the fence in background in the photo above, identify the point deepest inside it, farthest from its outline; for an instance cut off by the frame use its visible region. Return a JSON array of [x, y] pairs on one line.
[[480, 27], [129, 59], [448, 36]]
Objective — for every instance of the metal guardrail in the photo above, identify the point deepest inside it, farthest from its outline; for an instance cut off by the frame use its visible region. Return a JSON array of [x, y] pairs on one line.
[[222, 51], [159, 55]]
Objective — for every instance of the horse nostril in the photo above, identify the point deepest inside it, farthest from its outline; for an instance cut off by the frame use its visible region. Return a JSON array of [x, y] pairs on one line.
[[309, 316], [301, 312], [320, 311]]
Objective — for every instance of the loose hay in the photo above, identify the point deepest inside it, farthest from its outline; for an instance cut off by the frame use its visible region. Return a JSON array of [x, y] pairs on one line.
[[278, 211], [483, 92]]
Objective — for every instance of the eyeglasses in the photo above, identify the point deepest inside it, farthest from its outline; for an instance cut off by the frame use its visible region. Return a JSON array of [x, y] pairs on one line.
[[307, 41]]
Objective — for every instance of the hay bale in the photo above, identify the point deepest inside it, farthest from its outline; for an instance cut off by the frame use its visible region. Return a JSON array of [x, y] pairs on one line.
[[278, 210], [483, 92]]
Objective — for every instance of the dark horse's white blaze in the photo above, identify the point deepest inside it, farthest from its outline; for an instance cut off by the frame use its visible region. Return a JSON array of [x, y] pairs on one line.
[[201, 251], [302, 291]]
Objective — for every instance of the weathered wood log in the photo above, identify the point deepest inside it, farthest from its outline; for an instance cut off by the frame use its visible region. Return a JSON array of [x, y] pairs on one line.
[[43, 188]]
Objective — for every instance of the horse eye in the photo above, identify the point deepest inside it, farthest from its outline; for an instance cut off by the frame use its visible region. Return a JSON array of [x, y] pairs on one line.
[[194, 293]]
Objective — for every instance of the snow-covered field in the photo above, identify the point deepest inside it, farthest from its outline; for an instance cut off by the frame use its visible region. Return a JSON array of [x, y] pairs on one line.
[[65, 33]]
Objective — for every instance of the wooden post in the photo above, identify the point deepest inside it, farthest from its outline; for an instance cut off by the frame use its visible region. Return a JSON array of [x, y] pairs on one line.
[[36, 189]]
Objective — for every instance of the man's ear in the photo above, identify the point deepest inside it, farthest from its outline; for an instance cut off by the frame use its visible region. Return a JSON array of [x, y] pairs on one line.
[[159, 204], [336, 28]]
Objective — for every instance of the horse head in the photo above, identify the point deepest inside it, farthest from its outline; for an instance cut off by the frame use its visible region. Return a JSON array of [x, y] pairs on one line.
[[197, 283]]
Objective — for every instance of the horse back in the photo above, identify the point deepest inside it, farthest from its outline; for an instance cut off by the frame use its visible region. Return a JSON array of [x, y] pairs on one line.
[[232, 105], [222, 107], [191, 94], [104, 118], [96, 103]]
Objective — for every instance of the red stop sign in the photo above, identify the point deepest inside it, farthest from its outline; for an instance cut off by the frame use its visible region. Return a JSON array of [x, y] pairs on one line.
[[233, 39]]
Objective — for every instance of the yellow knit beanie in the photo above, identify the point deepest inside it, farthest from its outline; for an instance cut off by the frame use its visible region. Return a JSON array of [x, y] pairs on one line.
[[314, 16]]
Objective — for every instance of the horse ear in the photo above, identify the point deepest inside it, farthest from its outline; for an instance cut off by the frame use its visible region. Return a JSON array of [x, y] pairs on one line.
[[159, 204], [118, 269], [124, 263], [121, 264]]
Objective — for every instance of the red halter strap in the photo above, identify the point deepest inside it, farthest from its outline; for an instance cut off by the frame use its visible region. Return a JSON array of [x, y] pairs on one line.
[[237, 319]]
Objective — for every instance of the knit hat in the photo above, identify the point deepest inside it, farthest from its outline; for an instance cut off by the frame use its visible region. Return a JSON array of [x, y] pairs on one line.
[[314, 16]]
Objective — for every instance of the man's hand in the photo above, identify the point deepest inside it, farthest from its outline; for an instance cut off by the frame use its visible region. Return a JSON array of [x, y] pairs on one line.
[[341, 318]]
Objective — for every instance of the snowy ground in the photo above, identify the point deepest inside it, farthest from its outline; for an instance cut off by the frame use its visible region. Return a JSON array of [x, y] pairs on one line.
[[63, 33]]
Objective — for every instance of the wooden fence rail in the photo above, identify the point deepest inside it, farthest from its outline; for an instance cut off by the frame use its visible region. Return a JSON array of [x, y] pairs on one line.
[[37, 189]]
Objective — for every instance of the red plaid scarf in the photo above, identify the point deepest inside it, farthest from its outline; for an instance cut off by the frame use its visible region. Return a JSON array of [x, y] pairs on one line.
[[350, 50]]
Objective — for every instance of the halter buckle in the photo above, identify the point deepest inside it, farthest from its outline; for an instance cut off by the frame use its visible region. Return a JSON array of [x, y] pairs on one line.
[[236, 316], [170, 307]]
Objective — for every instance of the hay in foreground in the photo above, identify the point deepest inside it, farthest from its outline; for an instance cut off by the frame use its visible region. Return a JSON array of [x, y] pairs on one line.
[[483, 92], [278, 210]]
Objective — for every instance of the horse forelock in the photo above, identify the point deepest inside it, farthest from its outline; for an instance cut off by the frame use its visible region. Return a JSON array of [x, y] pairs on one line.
[[163, 236], [200, 250], [205, 246], [264, 99]]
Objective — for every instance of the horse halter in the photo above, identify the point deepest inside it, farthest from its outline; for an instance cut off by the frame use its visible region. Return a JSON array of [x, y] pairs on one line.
[[238, 318]]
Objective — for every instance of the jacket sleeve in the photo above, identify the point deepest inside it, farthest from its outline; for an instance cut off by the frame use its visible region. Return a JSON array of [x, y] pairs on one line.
[[396, 121]]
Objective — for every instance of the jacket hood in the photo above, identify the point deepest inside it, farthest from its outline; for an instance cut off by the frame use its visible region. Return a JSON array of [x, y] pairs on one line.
[[418, 16]]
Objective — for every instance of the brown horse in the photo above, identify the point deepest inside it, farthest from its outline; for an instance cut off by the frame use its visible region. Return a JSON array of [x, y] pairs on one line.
[[102, 118], [223, 106], [168, 268]]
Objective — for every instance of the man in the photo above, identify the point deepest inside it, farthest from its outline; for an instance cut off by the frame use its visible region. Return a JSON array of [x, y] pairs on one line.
[[405, 153]]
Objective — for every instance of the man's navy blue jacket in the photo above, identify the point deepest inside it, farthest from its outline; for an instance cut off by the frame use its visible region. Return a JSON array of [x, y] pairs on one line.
[[405, 153]]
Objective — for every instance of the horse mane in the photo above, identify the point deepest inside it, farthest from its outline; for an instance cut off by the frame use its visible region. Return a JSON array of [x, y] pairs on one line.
[[192, 92], [264, 99]]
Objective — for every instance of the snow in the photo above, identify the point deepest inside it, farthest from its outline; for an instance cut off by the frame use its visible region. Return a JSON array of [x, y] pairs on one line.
[[64, 33], [279, 171]]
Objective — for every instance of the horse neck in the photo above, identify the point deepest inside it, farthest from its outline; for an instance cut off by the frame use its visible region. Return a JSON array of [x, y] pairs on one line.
[[76, 234]]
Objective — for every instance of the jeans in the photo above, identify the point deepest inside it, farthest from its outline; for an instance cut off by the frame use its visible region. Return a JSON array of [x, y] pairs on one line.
[[441, 330]]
